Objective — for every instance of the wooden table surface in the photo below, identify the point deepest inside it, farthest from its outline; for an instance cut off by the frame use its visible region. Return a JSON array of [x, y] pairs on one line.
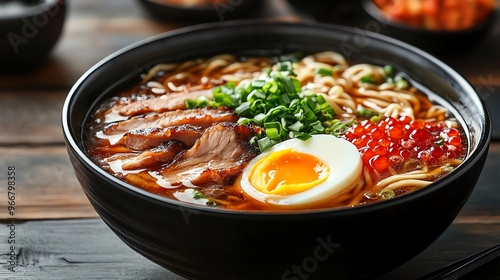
[[57, 233]]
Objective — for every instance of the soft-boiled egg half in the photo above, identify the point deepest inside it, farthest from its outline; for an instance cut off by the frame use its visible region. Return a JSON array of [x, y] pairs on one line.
[[297, 173]]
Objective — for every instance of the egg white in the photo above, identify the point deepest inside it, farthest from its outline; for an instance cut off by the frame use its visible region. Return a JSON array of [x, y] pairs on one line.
[[341, 155]]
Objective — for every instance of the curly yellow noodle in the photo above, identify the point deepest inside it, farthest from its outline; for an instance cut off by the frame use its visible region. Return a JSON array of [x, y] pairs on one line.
[[337, 95], [436, 112], [177, 82], [415, 184], [358, 71], [326, 81], [331, 58], [335, 105], [358, 195], [215, 65], [396, 110], [248, 67], [346, 198], [415, 175], [184, 66], [157, 68]]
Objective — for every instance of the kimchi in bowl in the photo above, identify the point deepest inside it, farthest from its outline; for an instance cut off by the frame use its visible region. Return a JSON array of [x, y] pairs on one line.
[[191, 227], [439, 27]]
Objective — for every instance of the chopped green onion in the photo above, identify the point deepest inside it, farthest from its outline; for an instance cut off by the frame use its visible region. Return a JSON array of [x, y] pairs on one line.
[[375, 119], [366, 113], [287, 82], [258, 83], [389, 71], [292, 57], [285, 98], [297, 126], [317, 126], [337, 127], [439, 142], [260, 117], [368, 79], [273, 134], [273, 131], [300, 135], [386, 194], [265, 143], [276, 102], [198, 195], [255, 94], [285, 66], [323, 72], [401, 83], [243, 109]]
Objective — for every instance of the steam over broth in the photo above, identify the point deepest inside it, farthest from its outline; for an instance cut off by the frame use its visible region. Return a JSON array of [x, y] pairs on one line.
[[275, 133]]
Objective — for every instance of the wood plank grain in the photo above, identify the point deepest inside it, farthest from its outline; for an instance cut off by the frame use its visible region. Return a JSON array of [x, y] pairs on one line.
[[95, 29], [484, 202], [75, 249], [459, 241], [87, 249], [46, 187], [31, 117], [491, 97]]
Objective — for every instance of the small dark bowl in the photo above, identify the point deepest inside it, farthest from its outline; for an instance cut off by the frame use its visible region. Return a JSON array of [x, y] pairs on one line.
[[438, 42], [206, 243], [345, 12], [29, 33], [225, 10]]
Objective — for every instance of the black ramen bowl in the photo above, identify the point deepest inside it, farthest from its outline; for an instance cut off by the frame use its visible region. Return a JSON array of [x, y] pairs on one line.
[[437, 42], [29, 30], [207, 243]]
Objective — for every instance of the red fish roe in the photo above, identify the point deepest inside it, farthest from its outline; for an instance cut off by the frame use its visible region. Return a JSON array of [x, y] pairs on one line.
[[393, 142]]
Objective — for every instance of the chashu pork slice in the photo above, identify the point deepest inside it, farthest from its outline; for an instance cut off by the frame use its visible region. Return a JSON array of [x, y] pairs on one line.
[[157, 156], [163, 103], [217, 158], [147, 138], [203, 117]]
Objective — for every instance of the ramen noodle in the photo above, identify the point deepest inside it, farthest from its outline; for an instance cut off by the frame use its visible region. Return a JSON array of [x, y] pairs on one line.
[[275, 133]]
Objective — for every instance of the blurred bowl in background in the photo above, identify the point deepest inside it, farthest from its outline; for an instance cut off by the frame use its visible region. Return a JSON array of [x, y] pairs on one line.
[[439, 31], [344, 12], [198, 10], [29, 29]]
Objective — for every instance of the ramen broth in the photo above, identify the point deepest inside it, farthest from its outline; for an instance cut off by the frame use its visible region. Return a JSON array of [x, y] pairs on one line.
[[275, 133]]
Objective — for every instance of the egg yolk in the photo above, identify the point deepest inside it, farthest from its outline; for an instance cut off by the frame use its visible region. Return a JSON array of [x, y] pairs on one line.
[[288, 172]]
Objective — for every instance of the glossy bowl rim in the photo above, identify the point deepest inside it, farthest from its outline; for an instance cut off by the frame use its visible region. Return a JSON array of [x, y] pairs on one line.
[[194, 8], [483, 140], [196, 13], [30, 11]]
